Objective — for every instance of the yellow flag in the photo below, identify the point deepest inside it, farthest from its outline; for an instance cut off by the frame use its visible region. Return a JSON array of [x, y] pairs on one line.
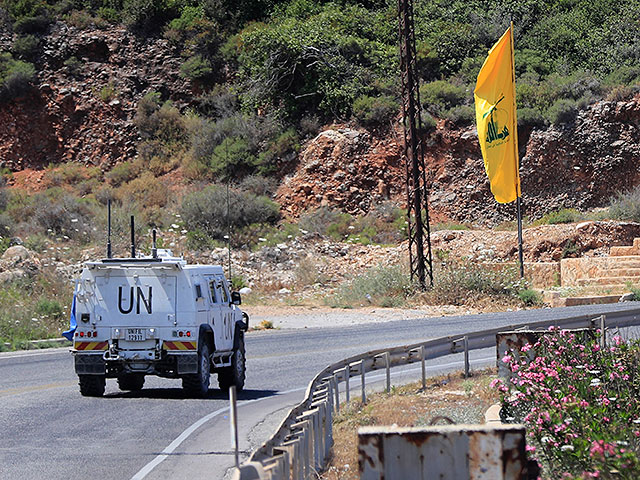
[[495, 98]]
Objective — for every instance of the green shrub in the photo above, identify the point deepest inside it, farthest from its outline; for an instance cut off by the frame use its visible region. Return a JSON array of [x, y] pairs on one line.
[[107, 93], [143, 15], [570, 249], [259, 185], [564, 215], [15, 76], [457, 283], [461, 115], [237, 282], [74, 66], [36, 243], [621, 93], [231, 158], [146, 191], [122, 173], [562, 111], [109, 14], [441, 95], [319, 220], [196, 68], [206, 210], [36, 24], [530, 117], [25, 47], [530, 297], [381, 286], [187, 18], [49, 308], [200, 240], [162, 122], [626, 206], [6, 225], [375, 111], [282, 149]]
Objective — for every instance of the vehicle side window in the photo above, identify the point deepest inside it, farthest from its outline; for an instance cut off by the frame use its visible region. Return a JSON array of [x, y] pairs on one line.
[[198, 291], [223, 292], [214, 296]]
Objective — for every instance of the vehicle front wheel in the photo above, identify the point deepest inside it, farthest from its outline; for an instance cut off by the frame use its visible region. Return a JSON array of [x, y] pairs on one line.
[[92, 385], [198, 383], [131, 381], [236, 373]]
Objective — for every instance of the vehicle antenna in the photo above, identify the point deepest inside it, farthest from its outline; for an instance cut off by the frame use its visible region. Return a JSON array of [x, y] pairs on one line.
[[133, 238], [154, 247], [229, 226], [109, 228]]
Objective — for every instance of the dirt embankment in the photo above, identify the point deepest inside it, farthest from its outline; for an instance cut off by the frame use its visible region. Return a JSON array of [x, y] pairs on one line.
[[579, 165]]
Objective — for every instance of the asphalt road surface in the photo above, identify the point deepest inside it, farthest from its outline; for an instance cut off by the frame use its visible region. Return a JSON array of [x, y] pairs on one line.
[[50, 431]]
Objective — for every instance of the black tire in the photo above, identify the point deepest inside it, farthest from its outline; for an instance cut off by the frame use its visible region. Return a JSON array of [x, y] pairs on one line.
[[236, 373], [92, 385], [198, 383], [131, 381]]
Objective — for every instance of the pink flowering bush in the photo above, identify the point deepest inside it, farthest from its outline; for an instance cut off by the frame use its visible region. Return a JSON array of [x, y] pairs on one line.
[[580, 404]]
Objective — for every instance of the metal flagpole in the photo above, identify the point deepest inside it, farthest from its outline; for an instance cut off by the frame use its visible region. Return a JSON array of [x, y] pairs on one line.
[[517, 159]]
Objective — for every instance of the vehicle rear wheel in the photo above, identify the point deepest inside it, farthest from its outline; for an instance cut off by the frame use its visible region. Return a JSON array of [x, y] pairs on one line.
[[198, 383], [92, 385], [236, 373], [131, 381]]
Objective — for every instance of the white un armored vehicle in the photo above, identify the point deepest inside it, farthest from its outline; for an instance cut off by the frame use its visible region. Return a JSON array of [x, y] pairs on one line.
[[159, 316]]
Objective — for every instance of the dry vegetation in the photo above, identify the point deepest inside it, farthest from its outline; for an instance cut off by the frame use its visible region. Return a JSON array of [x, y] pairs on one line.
[[451, 396]]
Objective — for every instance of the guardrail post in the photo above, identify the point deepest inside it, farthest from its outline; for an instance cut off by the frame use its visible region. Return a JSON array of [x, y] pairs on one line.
[[336, 385], [424, 368], [362, 375], [347, 374], [465, 340], [284, 464], [387, 366], [603, 335]]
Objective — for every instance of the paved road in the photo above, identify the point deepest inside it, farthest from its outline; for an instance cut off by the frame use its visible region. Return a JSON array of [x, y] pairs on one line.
[[49, 430]]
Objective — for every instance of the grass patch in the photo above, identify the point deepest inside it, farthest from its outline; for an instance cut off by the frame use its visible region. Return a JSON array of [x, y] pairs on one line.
[[34, 308], [463, 282], [380, 286], [564, 215], [464, 401]]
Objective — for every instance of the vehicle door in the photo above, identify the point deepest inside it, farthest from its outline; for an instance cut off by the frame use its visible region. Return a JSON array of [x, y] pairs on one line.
[[215, 317], [202, 301], [225, 311]]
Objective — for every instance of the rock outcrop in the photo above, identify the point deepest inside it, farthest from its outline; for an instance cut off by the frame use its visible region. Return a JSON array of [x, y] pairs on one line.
[[82, 106]]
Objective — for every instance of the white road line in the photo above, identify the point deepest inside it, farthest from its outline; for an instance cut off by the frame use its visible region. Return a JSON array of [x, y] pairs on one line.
[[146, 470]]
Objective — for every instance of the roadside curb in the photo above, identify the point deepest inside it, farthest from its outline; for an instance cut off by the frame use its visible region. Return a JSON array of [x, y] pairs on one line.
[[45, 343]]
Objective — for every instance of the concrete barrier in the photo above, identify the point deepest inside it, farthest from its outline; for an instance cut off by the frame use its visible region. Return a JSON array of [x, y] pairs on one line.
[[452, 452]]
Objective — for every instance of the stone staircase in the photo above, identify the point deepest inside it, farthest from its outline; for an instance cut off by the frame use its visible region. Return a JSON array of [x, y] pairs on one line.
[[614, 272]]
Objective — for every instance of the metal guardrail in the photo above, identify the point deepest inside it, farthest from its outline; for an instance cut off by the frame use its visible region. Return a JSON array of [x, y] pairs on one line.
[[302, 442]]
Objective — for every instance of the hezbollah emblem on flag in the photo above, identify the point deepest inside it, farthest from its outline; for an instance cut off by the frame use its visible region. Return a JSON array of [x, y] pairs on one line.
[[497, 130], [496, 120]]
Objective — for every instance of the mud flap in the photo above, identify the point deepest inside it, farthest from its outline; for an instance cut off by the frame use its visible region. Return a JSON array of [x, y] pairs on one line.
[[89, 364], [187, 363]]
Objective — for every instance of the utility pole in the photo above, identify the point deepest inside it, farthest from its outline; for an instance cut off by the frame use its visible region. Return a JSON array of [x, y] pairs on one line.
[[421, 262]]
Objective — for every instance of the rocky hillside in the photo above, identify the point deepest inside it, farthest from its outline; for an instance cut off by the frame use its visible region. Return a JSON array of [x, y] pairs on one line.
[[82, 106], [578, 165], [90, 80]]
